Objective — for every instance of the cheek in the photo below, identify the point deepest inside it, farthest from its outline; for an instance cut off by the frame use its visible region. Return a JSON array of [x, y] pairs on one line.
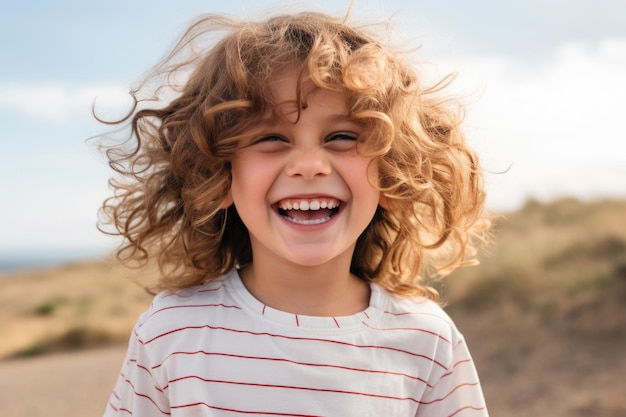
[[362, 177], [371, 177], [372, 174], [239, 178], [250, 178]]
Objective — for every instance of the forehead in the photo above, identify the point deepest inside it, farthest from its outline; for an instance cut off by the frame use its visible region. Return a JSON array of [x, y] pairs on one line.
[[292, 93], [287, 80]]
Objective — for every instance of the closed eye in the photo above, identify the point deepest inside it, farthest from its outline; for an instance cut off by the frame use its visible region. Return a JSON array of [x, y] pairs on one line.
[[341, 141], [343, 136], [270, 138], [270, 143]]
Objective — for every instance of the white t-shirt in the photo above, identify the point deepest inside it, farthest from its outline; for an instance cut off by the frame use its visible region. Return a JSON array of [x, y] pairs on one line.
[[215, 350]]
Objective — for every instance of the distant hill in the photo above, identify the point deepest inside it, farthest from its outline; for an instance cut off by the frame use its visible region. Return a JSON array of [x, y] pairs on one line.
[[545, 312], [565, 261]]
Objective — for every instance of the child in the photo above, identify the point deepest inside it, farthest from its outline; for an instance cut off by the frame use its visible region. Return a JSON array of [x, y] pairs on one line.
[[293, 193]]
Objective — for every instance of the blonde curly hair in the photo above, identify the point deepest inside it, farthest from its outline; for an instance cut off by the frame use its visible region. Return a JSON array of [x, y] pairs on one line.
[[174, 170]]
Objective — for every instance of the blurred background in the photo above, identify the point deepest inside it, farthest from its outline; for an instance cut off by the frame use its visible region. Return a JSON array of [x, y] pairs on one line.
[[544, 83]]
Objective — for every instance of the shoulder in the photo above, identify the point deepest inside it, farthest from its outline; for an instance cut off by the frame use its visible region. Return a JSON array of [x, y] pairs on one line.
[[188, 307], [419, 326], [420, 313], [198, 296]]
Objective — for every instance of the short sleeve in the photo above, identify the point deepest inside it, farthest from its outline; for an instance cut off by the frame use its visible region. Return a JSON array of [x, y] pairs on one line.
[[136, 392], [457, 392]]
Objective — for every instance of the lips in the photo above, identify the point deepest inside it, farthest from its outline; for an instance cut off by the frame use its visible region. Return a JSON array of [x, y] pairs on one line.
[[308, 211]]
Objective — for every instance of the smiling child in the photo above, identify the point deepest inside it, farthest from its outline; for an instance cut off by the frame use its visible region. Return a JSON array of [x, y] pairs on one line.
[[294, 191]]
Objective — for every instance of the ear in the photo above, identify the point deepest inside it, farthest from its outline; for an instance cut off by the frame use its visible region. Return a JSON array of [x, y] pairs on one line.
[[228, 201]]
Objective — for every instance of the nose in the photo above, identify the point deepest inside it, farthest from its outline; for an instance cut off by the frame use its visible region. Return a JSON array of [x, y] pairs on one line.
[[308, 163]]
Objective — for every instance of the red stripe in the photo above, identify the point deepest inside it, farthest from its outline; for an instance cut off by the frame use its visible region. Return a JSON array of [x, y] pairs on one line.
[[321, 365], [145, 368], [297, 321], [186, 306], [114, 407], [337, 342], [447, 374], [416, 313], [335, 320], [460, 362], [147, 397], [332, 391], [267, 413], [410, 329], [168, 295], [468, 384], [469, 407]]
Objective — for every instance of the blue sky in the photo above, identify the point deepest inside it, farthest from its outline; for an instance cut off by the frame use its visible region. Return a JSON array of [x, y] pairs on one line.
[[543, 79]]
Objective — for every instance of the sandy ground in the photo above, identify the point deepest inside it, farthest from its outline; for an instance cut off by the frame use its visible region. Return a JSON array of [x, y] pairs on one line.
[[59, 385]]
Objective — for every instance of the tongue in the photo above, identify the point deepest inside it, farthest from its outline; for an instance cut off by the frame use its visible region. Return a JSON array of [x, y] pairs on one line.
[[308, 214]]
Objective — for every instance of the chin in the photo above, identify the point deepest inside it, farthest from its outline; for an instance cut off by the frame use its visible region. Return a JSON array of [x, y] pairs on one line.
[[308, 261]]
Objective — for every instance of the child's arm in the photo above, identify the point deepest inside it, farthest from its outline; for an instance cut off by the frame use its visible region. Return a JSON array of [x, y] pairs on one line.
[[136, 392], [457, 392]]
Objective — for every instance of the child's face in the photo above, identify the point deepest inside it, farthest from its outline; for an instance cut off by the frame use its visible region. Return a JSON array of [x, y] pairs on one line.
[[301, 189]]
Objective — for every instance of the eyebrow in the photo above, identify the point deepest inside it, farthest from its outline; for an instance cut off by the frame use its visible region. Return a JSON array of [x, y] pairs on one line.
[[346, 118], [272, 117]]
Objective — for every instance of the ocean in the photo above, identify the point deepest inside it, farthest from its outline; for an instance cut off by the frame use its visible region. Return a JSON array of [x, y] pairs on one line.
[[12, 260]]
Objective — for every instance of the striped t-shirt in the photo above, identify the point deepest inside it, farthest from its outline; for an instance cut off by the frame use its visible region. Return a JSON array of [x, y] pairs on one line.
[[215, 350]]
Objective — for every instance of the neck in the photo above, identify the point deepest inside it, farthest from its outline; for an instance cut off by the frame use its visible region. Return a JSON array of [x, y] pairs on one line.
[[325, 290]]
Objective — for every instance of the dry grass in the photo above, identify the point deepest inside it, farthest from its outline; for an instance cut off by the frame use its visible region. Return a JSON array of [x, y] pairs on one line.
[[69, 307], [544, 313], [549, 260]]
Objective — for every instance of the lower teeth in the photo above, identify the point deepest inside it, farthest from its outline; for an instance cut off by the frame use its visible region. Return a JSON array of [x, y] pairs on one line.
[[308, 222]]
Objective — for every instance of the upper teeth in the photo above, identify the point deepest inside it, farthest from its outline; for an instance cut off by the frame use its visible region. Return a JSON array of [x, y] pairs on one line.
[[305, 205]]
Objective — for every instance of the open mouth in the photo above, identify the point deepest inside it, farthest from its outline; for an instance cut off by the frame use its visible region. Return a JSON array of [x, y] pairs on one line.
[[309, 211]]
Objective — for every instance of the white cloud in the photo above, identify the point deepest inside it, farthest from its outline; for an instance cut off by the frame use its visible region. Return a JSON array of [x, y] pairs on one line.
[[58, 102], [559, 123]]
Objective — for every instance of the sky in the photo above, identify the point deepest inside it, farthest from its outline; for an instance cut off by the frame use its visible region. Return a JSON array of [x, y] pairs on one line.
[[543, 80]]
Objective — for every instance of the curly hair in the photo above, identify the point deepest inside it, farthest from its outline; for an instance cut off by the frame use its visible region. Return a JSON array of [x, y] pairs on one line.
[[170, 197]]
